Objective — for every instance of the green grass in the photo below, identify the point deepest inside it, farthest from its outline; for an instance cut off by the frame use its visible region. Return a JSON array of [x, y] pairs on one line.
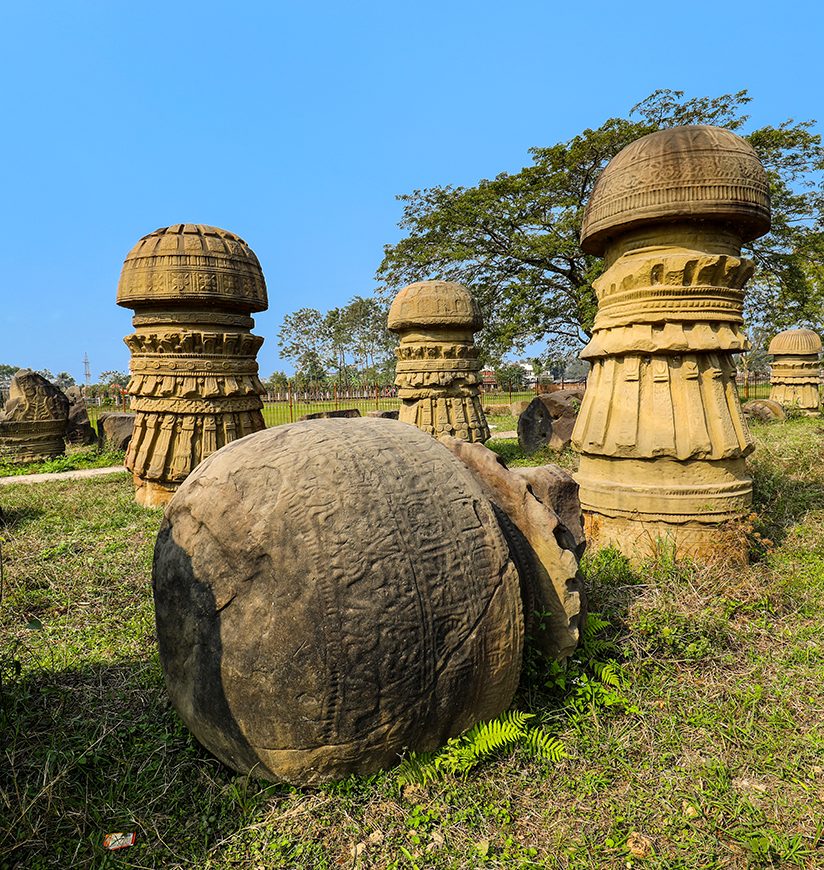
[[77, 458], [713, 758]]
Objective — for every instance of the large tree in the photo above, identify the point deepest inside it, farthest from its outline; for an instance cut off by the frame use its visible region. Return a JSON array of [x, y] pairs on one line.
[[515, 238]]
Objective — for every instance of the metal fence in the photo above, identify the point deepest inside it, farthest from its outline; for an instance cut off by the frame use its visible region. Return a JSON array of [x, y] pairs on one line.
[[291, 403]]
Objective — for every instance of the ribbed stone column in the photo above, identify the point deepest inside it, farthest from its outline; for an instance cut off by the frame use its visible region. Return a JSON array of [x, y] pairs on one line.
[[194, 374], [660, 430], [438, 368], [795, 374]]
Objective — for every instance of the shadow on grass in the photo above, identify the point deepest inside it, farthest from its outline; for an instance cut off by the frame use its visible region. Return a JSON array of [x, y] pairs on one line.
[[14, 517], [99, 749], [782, 500]]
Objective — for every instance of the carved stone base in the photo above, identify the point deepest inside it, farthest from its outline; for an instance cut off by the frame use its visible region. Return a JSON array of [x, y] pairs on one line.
[[806, 397], [638, 505], [640, 540], [150, 494], [31, 441]]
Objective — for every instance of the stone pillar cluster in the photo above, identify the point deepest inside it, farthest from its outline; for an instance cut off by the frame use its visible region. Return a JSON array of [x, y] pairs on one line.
[[660, 431], [194, 375], [438, 368], [796, 371]]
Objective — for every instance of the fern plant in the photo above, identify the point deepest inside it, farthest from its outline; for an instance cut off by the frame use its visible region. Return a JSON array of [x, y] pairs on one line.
[[591, 681], [486, 739]]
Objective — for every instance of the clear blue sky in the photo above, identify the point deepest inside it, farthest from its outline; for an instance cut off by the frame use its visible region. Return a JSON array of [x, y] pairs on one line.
[[296, 124]]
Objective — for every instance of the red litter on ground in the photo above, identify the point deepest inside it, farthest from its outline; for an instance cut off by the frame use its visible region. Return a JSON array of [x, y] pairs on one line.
[[118, 841]]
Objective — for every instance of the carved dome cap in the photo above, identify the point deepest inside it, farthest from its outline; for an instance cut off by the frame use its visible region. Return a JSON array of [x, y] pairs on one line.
[[435, 304], [684, 173], [188, 264], [793, 342]]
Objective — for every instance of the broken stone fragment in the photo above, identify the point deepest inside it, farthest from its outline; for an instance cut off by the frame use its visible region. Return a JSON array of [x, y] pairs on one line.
[[79, 430], [765, 410], [34, 419], [531, 502]]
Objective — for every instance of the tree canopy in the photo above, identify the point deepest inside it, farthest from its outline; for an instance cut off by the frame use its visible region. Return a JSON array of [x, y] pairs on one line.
[[515, 238], [351, 342]]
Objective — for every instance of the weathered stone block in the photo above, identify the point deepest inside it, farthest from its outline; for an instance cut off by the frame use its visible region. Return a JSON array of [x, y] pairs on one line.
[[116, 429], [546, 551], [563, 403], [534, 426], [385, 415], [33, 421], [518, 408], [79, 430], [765, 410], [562, 430]]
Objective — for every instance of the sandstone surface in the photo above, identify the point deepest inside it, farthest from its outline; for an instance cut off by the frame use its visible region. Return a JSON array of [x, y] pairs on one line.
[[194, 373], [438, 368], [34, 419], [332, 593]]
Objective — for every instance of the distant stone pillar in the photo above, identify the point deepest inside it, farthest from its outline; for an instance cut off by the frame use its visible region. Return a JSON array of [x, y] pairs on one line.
[[194, 374], [660, 430], [796, 372], [438, 369]]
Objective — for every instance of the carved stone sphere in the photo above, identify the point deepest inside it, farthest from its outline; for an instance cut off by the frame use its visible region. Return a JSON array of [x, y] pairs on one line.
[[187, 265], [332, 593], [796, 342], [694, 172], [438, 304]]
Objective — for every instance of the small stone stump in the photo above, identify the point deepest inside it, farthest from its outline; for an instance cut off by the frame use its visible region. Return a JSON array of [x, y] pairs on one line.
[[34, 419]]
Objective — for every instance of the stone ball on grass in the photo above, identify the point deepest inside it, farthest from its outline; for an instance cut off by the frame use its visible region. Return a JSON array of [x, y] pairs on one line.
[[330, 594]]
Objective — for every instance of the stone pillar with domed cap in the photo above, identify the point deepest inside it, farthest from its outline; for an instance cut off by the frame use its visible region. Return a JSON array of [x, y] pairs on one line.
[[795, 373], [661, 434], [194, 375], [438, 368]]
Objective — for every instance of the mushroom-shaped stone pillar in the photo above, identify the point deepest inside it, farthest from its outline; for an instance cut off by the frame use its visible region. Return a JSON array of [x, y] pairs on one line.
[[660, 430], [438, 368], [795, 373], [194, 375]]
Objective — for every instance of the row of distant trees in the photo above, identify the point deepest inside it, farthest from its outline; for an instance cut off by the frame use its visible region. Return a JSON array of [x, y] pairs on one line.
[[109, 383]]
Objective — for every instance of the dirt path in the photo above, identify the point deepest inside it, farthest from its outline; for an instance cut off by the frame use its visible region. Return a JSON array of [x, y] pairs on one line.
[[78, 474]]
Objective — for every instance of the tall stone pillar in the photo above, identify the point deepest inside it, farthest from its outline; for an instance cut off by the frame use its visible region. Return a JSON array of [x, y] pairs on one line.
[[194, 374], [660, 430], [438, 368], [796, 372]]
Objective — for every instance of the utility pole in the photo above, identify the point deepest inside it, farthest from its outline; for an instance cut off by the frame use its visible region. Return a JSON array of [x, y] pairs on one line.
[[87, 372]]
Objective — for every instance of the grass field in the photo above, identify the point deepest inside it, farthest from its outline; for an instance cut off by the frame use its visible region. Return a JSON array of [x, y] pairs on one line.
[[705, 750]]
